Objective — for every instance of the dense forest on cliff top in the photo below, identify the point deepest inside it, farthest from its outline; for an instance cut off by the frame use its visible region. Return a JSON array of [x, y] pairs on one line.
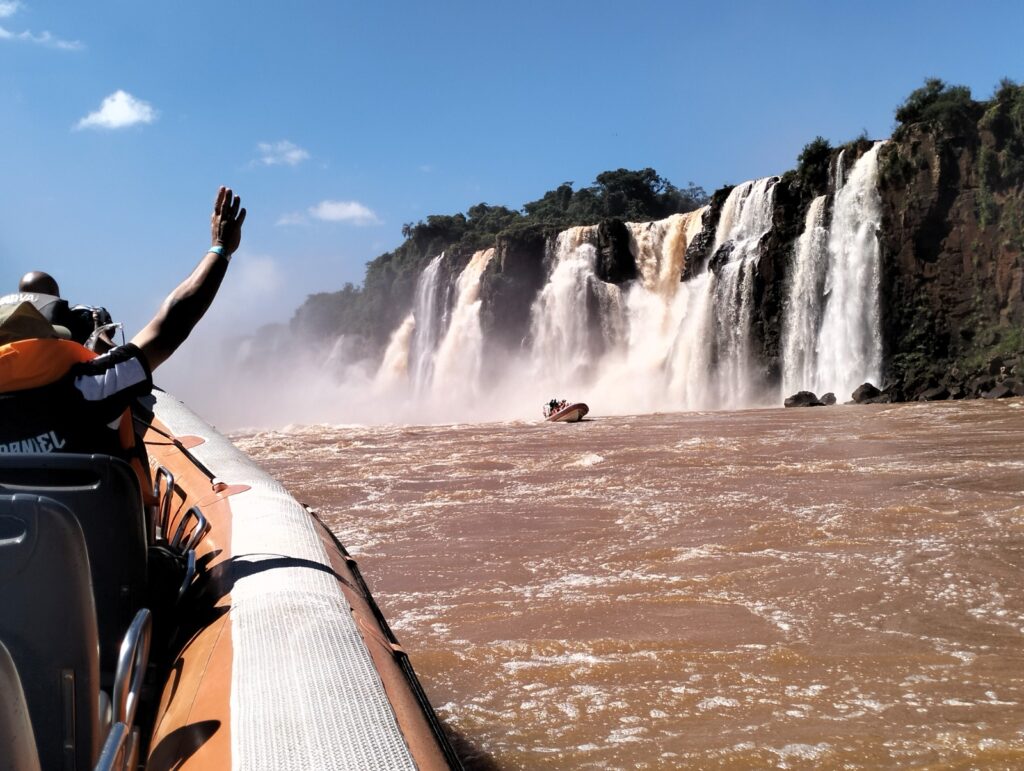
[[951, 180]]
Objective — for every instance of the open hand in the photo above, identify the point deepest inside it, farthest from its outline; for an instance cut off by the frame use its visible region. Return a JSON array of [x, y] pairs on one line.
[[226, 221]]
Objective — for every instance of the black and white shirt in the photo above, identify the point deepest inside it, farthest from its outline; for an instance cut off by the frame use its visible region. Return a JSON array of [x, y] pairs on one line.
[[80, 412]]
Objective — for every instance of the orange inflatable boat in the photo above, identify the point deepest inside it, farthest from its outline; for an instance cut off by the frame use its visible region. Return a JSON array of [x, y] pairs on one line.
[[227, 627], [568, 413]]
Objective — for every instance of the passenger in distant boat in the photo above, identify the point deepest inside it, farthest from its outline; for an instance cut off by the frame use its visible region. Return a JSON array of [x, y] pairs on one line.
[[57, 396], [88, 325]]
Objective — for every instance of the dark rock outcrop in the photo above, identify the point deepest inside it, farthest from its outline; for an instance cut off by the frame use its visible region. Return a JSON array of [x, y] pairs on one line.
[[509, 286], [615, 261], [1001, 391], [804, 399], [936, 394], [828, 399], [865, 393]]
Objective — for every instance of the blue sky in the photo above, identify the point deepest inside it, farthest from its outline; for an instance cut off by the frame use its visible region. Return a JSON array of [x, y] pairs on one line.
[[337, 122]]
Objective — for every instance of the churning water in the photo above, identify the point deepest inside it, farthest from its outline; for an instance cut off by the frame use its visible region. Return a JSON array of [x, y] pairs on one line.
[[828, 588]]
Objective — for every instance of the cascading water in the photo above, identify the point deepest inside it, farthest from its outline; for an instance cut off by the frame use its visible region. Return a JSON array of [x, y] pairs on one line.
[[660, 249], [805, 303], [428, 312], [831, 332], [850, 342], [635, 376], [746, 218], [394, 367], [659, 338], [564, 347], [458, 359]]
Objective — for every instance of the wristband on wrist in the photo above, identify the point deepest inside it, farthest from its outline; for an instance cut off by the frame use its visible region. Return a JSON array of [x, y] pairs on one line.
[[219, 249]]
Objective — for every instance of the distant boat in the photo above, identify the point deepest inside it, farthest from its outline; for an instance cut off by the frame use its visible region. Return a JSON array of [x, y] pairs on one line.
[[567, 413]]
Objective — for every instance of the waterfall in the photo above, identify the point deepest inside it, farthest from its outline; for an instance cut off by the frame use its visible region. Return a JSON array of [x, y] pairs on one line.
[[574, 313], [428, 312], [660, 249], [849, 350], [805, 299], [636, 376], [658, 342], [831, 339], [746, 219], [394, 367], [458, 359]]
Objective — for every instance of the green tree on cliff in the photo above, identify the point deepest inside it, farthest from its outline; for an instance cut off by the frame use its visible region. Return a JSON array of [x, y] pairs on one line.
[[936, 102], [620, 194]]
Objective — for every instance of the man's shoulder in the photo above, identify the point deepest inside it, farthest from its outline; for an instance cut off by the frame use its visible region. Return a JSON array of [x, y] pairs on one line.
[[121, 369]]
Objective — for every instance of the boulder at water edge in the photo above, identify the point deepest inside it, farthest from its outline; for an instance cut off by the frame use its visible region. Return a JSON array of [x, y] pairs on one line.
[[865, 393], [803, 399], [934, 394]]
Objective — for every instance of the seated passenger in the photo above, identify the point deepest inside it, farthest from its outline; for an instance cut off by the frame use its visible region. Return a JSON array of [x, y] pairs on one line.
[[57, 396], [85, 322]]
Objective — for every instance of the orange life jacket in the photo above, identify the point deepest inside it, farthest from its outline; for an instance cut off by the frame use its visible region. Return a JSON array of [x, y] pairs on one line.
[[36, 362], [33, 363]]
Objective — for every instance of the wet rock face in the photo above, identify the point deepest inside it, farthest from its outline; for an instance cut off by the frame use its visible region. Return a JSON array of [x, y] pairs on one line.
[[615, 261], [509, 287], [951, 246]]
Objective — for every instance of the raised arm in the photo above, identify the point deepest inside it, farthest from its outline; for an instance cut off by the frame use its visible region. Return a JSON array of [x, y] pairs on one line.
[[184, 306]]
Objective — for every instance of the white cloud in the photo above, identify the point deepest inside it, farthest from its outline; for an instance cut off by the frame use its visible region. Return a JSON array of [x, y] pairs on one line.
[[283, 153], [119, 110], [292, 218], [426, 168], [352, 212], [10, 7], [344, 211]]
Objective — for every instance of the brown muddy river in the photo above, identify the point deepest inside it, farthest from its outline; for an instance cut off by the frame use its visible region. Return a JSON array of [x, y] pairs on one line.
[[813, 588]]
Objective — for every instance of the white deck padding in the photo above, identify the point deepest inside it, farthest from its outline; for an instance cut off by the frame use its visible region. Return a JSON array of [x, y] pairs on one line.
[[304, 691]]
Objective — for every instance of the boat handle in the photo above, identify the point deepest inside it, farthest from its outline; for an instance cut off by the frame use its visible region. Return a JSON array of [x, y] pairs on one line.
[[164, 518], [201, 528], [112, 755], [131, 667], [190, 573]]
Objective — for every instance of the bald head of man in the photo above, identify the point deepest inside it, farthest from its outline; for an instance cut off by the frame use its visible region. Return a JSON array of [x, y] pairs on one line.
[[39, 282]]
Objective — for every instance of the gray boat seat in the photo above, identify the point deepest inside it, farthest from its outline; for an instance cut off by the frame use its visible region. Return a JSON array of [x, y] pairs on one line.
[[17, 742], [48, 623], [103, 492]]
